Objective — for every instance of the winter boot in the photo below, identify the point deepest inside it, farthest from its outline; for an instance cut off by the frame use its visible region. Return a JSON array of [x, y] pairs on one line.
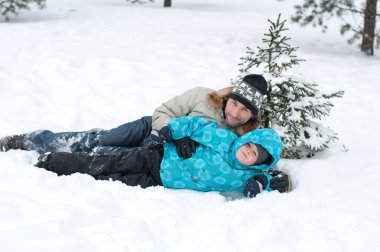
[[15, 142]]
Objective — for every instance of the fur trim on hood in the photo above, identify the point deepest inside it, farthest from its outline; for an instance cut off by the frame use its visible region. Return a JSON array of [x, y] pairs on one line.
[[218, 99]]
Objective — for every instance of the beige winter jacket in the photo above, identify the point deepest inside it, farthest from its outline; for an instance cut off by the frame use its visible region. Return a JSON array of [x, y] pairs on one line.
[[203, 102]]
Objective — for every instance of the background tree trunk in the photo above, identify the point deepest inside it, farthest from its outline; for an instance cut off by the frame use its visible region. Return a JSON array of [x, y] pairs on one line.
[[369, 27], [167, 3]]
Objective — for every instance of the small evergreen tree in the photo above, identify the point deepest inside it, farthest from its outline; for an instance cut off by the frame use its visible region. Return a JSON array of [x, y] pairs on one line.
[[318, 12], [13, 7], [291, 103]]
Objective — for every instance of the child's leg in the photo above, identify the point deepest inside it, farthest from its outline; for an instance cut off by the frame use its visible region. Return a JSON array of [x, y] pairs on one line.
[[142, 179], [142, 163]]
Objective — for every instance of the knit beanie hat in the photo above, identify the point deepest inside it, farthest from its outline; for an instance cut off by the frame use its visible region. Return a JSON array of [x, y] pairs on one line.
[[250, 92], [263, 155]]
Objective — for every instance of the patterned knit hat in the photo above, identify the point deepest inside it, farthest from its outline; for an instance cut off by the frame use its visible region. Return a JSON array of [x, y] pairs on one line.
[[250, 92]]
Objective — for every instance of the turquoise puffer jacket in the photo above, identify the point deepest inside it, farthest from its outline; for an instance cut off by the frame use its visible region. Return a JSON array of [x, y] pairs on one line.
[[213, 167]]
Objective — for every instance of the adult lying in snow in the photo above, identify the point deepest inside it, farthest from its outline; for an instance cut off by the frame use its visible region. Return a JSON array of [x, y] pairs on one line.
[[236, 109], [222, 161]]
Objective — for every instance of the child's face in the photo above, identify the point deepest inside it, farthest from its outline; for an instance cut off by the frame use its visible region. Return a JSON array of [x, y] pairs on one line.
[[247, 154]]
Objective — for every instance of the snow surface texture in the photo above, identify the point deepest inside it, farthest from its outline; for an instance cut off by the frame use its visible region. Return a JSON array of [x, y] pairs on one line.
[[83, 64]]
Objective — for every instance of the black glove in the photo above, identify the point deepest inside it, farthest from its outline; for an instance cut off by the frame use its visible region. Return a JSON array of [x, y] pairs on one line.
[[280, 181], [253, 187], [185, 147], [158, 138]]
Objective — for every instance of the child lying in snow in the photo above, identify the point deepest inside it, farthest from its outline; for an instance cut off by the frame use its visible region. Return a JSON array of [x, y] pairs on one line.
[[221, 162]]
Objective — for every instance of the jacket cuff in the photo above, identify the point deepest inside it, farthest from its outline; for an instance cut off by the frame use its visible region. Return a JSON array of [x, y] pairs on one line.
[[269, 178]]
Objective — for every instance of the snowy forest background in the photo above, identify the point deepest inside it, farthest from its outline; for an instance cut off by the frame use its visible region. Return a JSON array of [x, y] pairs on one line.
[[77, 65]]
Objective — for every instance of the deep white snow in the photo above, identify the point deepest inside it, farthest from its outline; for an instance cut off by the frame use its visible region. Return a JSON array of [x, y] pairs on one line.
[[88, 64]]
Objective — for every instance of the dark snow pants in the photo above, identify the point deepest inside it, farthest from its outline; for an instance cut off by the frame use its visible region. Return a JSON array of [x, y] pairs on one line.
[[136, 166], [116, 140]]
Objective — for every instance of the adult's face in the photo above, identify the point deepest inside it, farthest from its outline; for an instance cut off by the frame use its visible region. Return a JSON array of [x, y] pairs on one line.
[[236, 113]]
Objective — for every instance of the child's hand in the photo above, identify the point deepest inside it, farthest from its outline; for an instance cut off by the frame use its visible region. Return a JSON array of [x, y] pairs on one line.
[[252, 188], [280, 181]]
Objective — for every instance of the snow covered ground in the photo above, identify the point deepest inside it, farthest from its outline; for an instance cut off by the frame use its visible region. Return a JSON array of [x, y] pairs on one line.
[[83, 64]]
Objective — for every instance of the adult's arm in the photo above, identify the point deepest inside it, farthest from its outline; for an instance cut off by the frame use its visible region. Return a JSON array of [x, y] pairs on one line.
[[178, 106]]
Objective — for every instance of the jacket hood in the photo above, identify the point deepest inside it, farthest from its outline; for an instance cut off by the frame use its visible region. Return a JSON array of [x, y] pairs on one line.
[[267, 138], [218, 99]]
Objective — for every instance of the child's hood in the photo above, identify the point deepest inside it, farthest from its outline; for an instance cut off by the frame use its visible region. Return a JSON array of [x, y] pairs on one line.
[[267, 138]]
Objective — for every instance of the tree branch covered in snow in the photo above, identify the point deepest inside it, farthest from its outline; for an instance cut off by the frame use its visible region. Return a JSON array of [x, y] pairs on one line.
[[319, 12], [12, 7]]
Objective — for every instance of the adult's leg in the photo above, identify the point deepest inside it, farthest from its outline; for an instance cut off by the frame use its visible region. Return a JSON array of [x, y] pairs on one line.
[[44, 141], [128, 135], [137, 166]]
